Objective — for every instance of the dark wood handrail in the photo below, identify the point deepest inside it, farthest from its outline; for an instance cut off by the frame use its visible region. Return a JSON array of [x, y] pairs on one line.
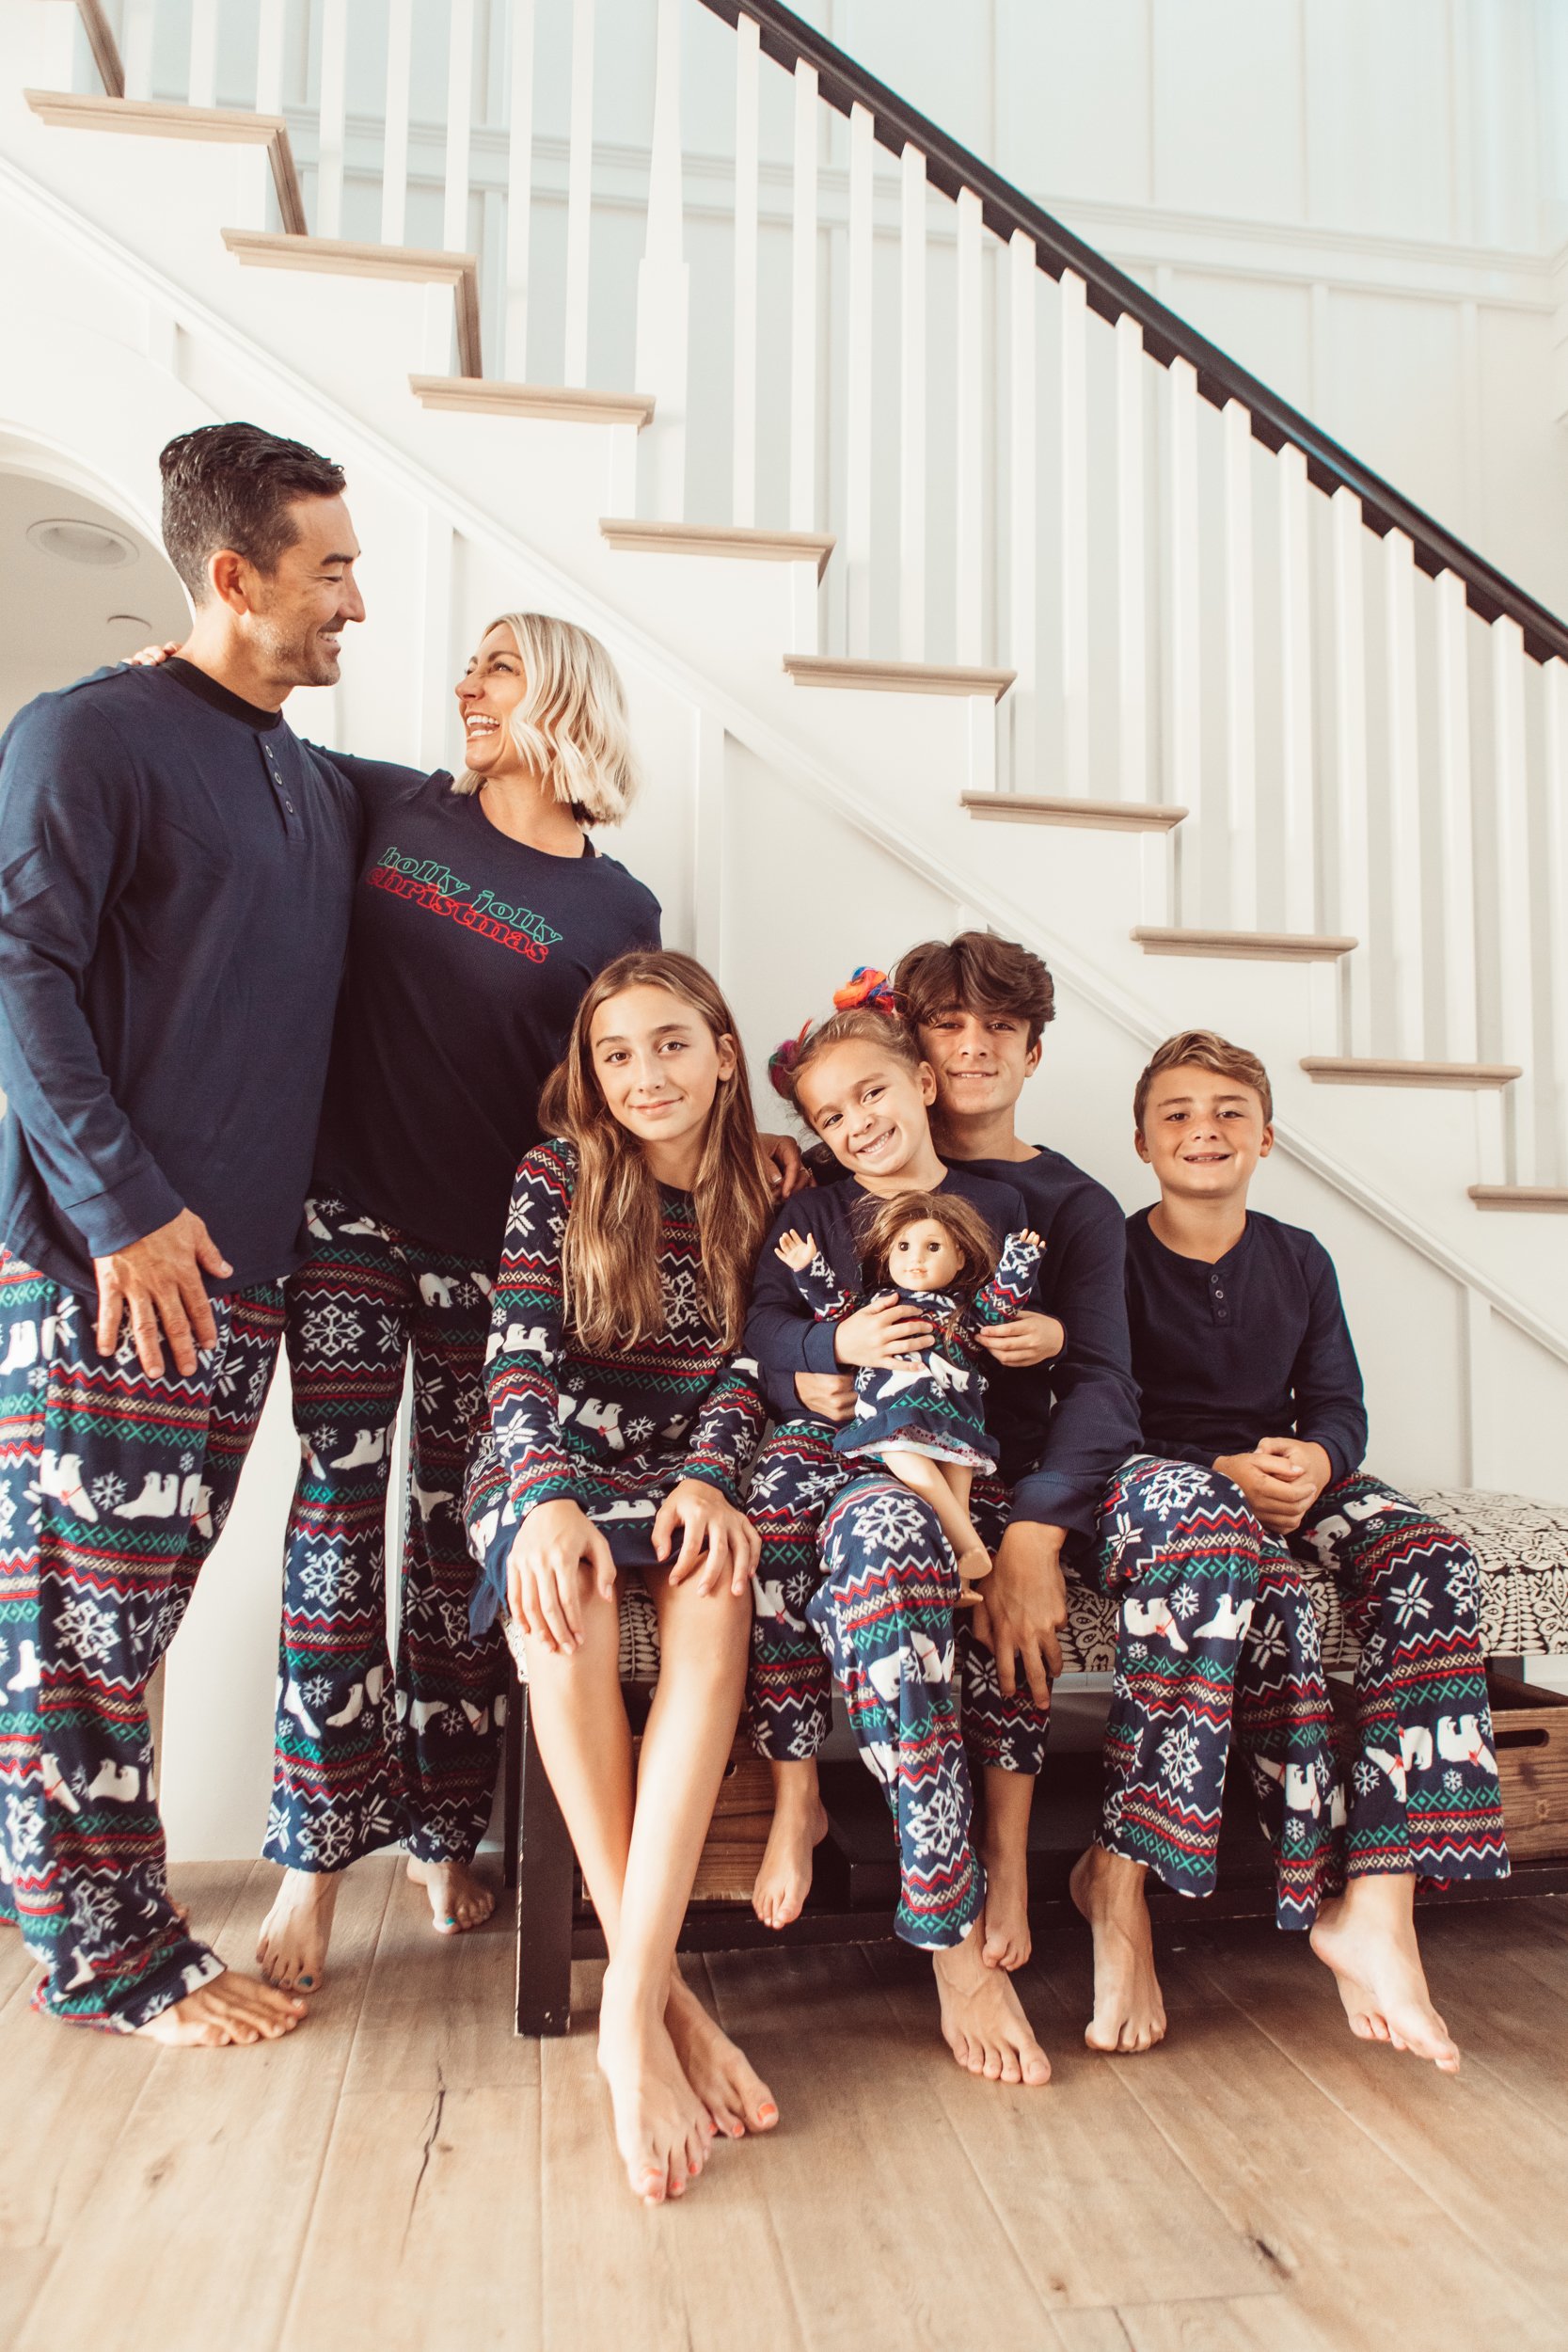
[[789, 40]]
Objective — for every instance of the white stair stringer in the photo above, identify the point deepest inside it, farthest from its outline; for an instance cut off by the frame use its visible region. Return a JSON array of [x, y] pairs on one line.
[[1468, 1303]]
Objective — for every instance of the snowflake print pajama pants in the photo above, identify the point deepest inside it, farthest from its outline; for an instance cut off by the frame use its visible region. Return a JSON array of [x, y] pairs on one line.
[[856, 1586], [113, 1487], [364, 1755]]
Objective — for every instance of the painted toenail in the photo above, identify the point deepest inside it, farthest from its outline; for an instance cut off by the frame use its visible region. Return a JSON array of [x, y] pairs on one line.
[[308, 1980]]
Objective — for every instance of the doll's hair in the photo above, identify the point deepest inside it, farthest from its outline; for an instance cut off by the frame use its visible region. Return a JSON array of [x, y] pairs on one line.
[[864, 1009], [960, 1220]]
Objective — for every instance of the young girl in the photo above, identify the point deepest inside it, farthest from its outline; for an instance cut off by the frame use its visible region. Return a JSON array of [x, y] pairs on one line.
[[924, 1419], [623, 1422], [856, 1587]]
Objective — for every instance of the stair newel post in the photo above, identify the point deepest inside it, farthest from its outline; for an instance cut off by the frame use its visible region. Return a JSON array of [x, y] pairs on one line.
[[135, 42], [1240, 681], [1402, 784], [1132, 779], [1183, 679], [394, 136], [331, 116], [1297, 844], [579, 195], [969, 456], [743, 497], [519, 197], [1023, 536], [1554, 687], [858, 343], [1511, 834], [1073, 586], [663, 295], [1351, 847], [913, 365], [1451, 649]]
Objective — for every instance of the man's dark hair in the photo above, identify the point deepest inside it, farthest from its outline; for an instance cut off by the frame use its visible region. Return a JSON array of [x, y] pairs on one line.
[[975, 973], [230, 486]]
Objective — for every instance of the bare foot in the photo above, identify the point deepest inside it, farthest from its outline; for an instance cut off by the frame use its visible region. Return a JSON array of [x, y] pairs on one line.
[[292, 1946], [1367, 1935], [982, 2017], [662, 2129], [458, 1899], [723, 2077], [1007, 1942], [799, 1825], [1129, 2013], [229, 2010]]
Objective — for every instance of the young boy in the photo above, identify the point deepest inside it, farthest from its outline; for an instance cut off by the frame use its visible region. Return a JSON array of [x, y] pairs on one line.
[[1241, 1349]]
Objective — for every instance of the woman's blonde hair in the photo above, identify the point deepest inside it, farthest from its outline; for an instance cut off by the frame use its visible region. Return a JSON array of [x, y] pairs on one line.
[[610, 1250], [571, 725]]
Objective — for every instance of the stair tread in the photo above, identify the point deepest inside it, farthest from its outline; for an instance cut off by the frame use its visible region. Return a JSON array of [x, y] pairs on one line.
[[568, 403], [354, 258], [731, 539], [1542, 1197], [1026, 808], [863, 673], [1370, 1070], [1283, 946]]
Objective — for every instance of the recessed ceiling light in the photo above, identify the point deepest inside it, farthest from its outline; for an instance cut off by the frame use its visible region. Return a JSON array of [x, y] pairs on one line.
[[77, 542]]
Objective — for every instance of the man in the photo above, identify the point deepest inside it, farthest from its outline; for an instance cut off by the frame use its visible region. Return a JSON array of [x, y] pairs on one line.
[[175, 871]]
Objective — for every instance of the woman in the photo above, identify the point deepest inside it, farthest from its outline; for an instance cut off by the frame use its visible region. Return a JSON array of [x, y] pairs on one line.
[[622, 1427]]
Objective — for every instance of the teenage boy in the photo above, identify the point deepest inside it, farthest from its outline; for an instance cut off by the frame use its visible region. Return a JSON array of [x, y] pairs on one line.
[[175, 874], [1247, 1372]]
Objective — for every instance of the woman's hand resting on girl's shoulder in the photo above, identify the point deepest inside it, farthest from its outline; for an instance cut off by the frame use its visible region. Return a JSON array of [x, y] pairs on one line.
[[555, 1546], [717, 1540]]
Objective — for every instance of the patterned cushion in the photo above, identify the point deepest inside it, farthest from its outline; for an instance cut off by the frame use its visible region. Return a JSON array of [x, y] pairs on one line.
[[1521, 1546]]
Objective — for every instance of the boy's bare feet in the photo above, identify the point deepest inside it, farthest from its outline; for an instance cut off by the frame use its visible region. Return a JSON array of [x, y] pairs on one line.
[[229, 2010], [1007, 1941], [1367, 1935], [458, 1899], [292, 1946], [722, 2075], [982, 2017], [662, 2129], [1129, 2013], [799, 1825]]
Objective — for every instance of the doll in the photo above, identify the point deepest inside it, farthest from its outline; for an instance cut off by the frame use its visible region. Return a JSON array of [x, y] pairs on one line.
[[924, 1418]]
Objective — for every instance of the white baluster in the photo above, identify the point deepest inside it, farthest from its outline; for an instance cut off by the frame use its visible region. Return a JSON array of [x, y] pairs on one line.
[[330, 133], [859, 332], [1452, 625], [459, 109], [1132, 582], [914, 363], [1184, 689], [269, 55], [803, 308], [744, 453], [1402, 784], [1074, 589], [1241, 685], [1024, 279], [662, 283], [1554, 685], [579, 194], [202, 88], [969, 464], [519, 191], [137, 48], [1349, 764], [1511, 831], [1296, 832], [394, 136]]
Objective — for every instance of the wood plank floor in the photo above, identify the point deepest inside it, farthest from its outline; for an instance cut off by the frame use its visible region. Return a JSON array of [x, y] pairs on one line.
[[405, 2173]]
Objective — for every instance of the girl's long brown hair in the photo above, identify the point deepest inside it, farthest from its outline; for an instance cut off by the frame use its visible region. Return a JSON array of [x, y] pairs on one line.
[[610, 1250]]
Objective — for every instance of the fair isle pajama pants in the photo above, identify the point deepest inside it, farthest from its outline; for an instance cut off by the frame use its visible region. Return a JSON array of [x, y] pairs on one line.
[[1216, 1632], [113, 1487], [364, 1754]]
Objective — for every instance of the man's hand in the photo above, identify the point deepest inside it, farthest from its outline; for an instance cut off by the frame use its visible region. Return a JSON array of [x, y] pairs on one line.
[[1279, 1490], [790, 1173], [878, 1336], [1023, 1608], [552, 1550], [829, 1393], [719, 1543], [1028, 1338], [158, 1281]]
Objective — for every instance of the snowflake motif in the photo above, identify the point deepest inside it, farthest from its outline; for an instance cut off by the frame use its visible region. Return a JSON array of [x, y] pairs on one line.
[[886, 1522], [326, 1581], [8, 1512], [936, 1827], [1267, 1641], [389, 1335], [228, 1380], [803, 1743], [88, 1629], [317, 1690], [1172, 1488], [94, 1914], [1137, 1649], [1184, 1601], [1120, 1538], [277, 1826], [108, 1489], [39, 1377], [330, 1329], [1181, 1758], [24, 1828], [1410, 1603], [1367, 1777], [187, 1463], [764, 1485], [325, 1842], [519, 1216], [682, 1304], [639, 1429], [1453, 1782]]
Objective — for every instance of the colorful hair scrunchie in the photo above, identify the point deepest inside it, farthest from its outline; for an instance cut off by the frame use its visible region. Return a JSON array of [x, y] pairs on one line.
[[782, 1061], [866, 986]]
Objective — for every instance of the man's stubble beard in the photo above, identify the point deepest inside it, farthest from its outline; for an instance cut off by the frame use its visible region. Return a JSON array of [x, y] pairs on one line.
[[296, 658]]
